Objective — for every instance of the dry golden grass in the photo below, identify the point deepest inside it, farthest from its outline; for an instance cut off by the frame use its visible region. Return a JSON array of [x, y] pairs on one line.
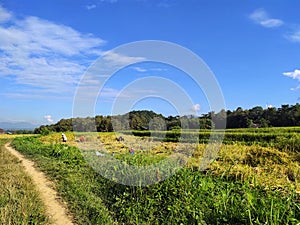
[[12, 136], [261, 165], [19, 200], [56, 138]]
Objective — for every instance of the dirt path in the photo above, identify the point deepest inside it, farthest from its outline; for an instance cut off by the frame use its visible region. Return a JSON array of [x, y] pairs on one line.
[[55, 209]]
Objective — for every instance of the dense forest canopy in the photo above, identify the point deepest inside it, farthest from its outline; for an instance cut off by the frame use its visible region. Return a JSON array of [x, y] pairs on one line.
[[286, 115]]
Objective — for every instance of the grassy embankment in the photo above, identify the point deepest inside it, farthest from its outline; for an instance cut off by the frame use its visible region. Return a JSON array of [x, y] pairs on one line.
[[252, 181], [19, 199]]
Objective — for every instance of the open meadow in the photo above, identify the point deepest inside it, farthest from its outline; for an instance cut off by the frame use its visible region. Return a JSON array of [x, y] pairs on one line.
[[253, 180]]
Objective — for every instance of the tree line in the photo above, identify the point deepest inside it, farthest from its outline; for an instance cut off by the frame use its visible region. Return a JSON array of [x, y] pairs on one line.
[[286, 115]]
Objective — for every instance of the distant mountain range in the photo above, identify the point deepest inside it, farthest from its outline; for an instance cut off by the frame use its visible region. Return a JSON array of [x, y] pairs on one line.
[[17, 126]]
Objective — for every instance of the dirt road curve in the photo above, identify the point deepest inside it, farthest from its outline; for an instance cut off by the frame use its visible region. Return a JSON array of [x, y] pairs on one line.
[[55, 209]]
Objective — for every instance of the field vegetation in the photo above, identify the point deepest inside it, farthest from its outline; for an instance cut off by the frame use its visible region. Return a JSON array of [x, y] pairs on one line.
[[254, 179], [19, 199]]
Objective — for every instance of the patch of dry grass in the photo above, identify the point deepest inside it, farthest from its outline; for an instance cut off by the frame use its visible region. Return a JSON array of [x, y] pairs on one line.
[[262, 165], [12, 136], [266, 166], [19, 200]]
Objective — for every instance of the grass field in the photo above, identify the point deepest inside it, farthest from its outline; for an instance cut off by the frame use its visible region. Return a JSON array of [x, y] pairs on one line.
[[248, 183], [19, 199]]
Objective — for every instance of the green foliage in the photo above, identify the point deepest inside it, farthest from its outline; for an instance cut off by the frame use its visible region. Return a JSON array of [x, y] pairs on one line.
[[74, 178], [289, 143], [146, 120], [287, 139], [271, 117], [187, 197], [44, 131], [193, 198], [62, 126]]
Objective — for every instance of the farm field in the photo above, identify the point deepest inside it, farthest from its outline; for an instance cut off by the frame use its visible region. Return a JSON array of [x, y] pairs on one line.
[[254, 179]]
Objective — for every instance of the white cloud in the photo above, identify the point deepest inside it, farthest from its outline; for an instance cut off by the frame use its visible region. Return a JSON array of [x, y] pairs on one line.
[[46, 55], [119, 59], [109, 1], [4, 15], [49, 118], [196, 108], [271, 23], [159, 69], [295, 88], [102, 69], [44, 36], [139, 69], [295, 37], [89, 7], [260, 16], [295, 75], [108, 94], [269, 106]]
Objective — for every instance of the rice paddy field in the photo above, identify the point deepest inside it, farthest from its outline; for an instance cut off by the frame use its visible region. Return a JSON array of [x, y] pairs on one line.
[[252, 178]]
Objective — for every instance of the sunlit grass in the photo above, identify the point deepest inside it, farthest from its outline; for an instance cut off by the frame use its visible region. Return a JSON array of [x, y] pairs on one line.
[[245, 184], [12, 136], [266, 166], [19, 200]]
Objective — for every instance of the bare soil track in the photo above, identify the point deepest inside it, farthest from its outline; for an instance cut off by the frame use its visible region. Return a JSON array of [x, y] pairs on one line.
[[55, 209]]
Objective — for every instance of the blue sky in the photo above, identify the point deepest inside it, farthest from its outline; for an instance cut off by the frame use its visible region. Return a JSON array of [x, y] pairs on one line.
[[252, 47]]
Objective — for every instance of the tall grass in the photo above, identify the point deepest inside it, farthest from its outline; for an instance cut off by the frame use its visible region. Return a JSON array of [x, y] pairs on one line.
[[19, 200], [74, 179]]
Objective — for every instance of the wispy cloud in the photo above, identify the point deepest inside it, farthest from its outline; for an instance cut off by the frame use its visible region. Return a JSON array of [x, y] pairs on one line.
[[261, 17], [294, 36], [90, 7], [142, 70], [295, 75], [111, 94], [159, 69], [295, 88], [115, 58], [4, 15], [36, 93], [95, 4], [109, 1], [108, 94], [44, 55], [139, 69]]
